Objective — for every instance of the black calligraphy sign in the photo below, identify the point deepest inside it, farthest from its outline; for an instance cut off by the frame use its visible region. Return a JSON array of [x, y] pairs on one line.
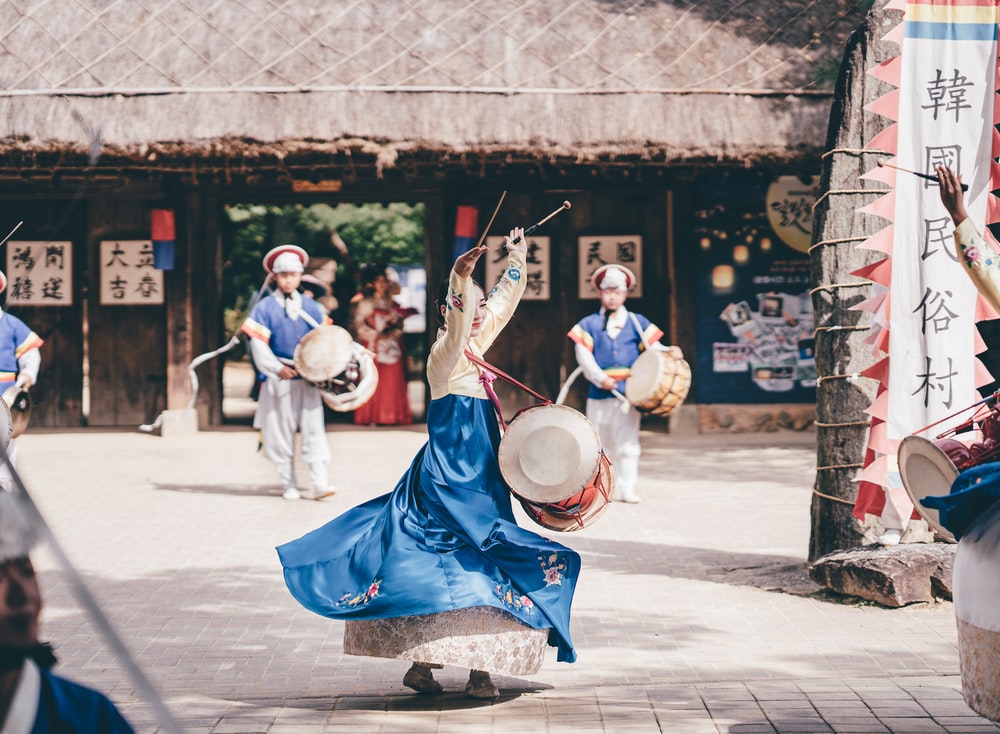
[[937, 235], [941, 155], [933, 308], [948, 94], [21, 289], [931, 381]]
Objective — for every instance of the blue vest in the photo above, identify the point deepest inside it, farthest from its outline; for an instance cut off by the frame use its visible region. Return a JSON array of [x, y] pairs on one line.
[[285, 333], [621, 351], [69, 708]]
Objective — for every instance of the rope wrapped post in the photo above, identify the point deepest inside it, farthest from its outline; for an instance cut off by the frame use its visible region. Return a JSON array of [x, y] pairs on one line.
[[841, 353]]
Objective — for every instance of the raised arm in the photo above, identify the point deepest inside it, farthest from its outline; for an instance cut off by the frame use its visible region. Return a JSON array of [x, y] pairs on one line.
[[978, 256], [506, 294], [460, 311]]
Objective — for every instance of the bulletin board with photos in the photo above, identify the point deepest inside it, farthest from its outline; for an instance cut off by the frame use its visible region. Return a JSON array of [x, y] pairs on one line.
[[754, 331]]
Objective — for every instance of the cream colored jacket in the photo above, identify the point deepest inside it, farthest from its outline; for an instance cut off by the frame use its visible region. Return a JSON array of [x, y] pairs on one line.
[[981, 261], [448, 369]]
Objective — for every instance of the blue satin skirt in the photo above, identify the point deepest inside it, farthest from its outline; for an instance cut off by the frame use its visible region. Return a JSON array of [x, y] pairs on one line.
[[445, 538]]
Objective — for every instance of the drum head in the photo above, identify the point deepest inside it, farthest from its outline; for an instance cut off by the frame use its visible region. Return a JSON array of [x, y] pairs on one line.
[[926, 470], [323, 353], [6, 426], [658, 381], [19, 402], [549, 453]]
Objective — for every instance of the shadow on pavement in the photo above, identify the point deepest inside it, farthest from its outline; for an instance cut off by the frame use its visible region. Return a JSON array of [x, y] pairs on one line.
[[771, 572]]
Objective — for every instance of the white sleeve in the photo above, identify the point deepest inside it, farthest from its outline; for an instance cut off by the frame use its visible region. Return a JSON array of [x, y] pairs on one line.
[[264, 359], [980, 259], [591, 370], [28, 364]]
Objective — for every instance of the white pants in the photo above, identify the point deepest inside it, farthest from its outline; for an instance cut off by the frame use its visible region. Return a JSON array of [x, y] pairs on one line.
[[284, 408], [618, 430]]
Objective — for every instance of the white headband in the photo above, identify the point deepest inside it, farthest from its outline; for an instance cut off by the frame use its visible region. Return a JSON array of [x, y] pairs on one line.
[[614, 279], [287, 262]]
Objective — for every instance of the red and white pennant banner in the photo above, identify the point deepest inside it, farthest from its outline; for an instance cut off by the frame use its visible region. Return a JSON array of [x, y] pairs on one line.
[[923, 307]]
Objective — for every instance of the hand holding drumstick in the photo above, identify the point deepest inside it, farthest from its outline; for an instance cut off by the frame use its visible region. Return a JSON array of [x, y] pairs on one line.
[[466, 262], [951, 194]]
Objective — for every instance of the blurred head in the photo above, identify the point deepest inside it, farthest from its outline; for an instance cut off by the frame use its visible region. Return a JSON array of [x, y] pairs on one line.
[[286, 263], [380, 285], [20, 603], [20, 596], [285, 258], [288, 281], [313, 286], [374, 281], [614, 282], [613, 298]]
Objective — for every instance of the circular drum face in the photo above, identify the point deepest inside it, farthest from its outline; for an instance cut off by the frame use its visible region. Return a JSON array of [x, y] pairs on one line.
[[549, 453], [926, 470], [323, 353]]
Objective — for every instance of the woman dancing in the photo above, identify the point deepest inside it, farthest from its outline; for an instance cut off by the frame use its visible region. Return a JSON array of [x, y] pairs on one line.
[[438, 571]]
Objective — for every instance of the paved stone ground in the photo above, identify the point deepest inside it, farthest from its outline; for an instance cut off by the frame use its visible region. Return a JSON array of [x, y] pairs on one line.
[[694, 612]]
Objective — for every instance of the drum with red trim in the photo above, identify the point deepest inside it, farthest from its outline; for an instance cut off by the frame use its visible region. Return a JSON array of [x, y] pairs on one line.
[[658, 381], [578, 511], [551, 458], [930, 467]]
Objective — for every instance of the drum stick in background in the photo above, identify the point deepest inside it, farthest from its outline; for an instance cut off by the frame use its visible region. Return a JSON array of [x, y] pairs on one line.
[[490, 223], [540, 222], [929, 177], [11, 233]]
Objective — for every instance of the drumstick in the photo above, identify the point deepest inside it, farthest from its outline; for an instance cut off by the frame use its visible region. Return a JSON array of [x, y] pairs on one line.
[[490, 223], [929, 177], [540, 222], [16, 226]]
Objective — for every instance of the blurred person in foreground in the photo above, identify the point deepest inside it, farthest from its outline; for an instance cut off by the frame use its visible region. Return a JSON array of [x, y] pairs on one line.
[[33, 700]]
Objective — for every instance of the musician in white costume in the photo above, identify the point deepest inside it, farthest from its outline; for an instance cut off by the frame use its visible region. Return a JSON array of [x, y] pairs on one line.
[[288, 403], [607, 343]]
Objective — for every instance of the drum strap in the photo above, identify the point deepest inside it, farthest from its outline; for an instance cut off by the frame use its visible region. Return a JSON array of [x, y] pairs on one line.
[[489, 373]]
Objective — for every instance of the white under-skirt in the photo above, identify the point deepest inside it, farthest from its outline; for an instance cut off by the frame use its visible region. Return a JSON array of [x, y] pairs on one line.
[[478, 638]]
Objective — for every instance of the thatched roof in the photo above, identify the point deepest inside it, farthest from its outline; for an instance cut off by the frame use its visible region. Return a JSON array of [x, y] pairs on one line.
[[227, 80]]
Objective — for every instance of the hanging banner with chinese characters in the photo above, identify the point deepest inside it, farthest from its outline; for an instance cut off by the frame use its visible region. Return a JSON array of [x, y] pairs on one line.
[[39, 273], [598, 250], [127, 274], [927, 339], [536, 272]]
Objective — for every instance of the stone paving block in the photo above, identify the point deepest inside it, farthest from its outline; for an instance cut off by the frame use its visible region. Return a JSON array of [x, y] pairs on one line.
[[904, 725], [967, 723], [897, 709], [800, 726]]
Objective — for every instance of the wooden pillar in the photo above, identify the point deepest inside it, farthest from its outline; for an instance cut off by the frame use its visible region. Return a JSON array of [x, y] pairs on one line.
[[177, 285], [842, 424]]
